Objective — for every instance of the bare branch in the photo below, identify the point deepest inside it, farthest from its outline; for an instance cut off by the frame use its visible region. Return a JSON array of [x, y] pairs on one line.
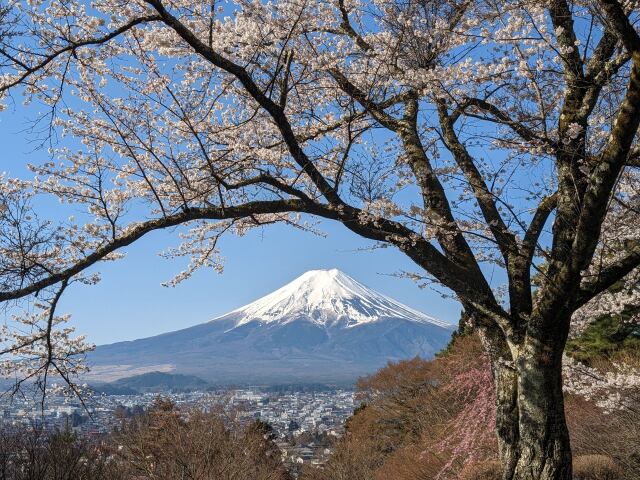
[[486, 200]]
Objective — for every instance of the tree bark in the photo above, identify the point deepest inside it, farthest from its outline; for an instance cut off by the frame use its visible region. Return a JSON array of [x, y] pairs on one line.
[[507, 417], [505, 377], [544, 451], [531, 430]]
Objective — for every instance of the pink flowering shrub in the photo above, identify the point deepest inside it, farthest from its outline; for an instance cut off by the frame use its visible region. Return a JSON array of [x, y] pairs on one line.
[[470, 433], [423, 419]]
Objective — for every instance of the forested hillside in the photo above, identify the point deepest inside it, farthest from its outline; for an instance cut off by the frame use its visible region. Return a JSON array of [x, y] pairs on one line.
[[436, 419]]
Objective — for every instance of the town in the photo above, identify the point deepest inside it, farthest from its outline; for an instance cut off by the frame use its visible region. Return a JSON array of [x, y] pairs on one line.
[[305, 424]]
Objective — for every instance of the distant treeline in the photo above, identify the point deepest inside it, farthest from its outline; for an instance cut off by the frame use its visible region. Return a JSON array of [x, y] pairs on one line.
[[305, 387]]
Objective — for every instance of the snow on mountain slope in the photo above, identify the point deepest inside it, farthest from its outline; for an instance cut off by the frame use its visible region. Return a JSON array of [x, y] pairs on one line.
[[322, 327], [326, 297]]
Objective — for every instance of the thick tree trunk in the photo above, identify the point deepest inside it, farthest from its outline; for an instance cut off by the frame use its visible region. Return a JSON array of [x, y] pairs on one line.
[[533, 440], [544, 449], [507, 418], [505, 378]]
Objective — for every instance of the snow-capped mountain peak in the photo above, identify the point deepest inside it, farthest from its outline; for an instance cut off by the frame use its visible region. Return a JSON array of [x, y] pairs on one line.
[[323, 327], [325, 297]]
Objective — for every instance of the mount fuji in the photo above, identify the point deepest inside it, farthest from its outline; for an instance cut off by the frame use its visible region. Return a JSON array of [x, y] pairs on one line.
[[324, 327]]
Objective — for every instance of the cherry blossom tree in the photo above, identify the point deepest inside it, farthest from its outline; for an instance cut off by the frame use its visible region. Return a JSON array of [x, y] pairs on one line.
[[470, 135]]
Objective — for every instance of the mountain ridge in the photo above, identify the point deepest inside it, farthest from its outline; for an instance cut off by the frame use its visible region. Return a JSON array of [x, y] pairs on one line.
[[323, 326], [151, 382]]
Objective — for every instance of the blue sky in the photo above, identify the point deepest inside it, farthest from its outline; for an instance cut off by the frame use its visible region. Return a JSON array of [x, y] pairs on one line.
[[130, 303]]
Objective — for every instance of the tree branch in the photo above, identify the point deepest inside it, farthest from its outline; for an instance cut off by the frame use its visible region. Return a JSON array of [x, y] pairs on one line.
[[573, 252], [416, 247], [501, 117], [376, 110], [540, 217], [349, 30], [30, 70], [608, 276], [562, 20], [620, 24], [137, 232], [504, 237], [275, 110], [633, 160]]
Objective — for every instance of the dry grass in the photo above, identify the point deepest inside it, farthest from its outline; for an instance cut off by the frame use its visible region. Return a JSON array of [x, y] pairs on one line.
[[596, 467], [489, 470]]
